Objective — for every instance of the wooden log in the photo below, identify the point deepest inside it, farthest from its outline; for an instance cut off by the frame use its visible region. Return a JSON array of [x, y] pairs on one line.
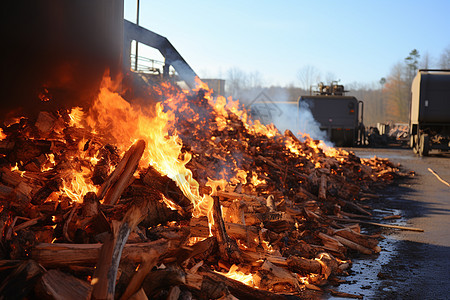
[[361, 239], [152, 178], [58, 255], [149, 261], [114, 186], [43, 193], [353, 245], [248, 234], [240, 196], [253, 258], [228, 247], [163, 279], [331, 243], [276, 275], [55, 284], [212, 289], [194, 281], [104, 278], [236, 212], [304, 265], [202, 247]]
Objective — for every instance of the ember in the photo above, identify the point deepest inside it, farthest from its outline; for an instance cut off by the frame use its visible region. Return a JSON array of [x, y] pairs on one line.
[[185, 197]]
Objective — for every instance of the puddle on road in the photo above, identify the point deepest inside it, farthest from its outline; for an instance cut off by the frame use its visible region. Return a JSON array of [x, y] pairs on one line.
[[365, 274]]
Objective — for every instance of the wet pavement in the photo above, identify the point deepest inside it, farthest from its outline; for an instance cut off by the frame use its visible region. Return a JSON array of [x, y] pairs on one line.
[[411, 265]]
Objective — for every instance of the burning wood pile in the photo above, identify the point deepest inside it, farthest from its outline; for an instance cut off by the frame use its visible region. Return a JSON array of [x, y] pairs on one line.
[[185, 199]]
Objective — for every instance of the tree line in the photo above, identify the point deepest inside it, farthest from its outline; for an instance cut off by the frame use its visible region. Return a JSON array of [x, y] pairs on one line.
[[387, 100]]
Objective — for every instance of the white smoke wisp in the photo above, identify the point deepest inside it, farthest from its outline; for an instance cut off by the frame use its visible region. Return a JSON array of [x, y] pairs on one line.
[[288, 115]]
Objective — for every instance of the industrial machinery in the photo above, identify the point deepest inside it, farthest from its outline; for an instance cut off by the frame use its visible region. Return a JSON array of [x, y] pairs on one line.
[[429, 118], [56, 53], [339, 115]]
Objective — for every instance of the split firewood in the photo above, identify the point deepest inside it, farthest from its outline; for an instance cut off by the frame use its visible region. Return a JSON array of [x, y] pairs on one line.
[[274, 275], [104, 278], [304, 265], [55, 284], [163, 279], [360, 239], [258, 258], [114, 186], [203, 247], [151, 177], [228, 248], [58, 255], [332, 243], [149, 261], [353, 245]]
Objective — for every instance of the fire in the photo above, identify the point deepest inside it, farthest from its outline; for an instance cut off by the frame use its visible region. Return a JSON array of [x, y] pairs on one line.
[[76, 184], [126, 123], [50, 163], [255, 180], [16, 168], [2, 135], [235, 274], [76, 117]]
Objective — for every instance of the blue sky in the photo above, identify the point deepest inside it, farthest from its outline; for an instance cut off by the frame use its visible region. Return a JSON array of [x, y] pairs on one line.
[[354, 41]]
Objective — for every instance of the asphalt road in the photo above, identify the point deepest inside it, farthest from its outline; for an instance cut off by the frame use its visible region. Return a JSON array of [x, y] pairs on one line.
[[411, 265]]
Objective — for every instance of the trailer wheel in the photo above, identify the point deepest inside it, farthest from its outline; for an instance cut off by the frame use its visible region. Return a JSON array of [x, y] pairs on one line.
[[416, 144], [424, 147], [412, 144]]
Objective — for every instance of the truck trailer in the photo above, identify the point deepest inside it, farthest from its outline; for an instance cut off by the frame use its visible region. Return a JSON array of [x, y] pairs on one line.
[[430, 111], [340, 116]]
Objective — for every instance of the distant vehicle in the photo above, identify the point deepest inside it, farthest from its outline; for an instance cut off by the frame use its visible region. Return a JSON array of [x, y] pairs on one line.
[[429, 118], [340, 116]]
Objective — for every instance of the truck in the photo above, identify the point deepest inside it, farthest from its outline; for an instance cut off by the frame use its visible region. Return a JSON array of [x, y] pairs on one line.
[[429, 119], [340, 116]]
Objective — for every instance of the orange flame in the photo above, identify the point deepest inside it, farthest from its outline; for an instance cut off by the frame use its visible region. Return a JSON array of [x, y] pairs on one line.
[[2, 135], [235, 274]]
